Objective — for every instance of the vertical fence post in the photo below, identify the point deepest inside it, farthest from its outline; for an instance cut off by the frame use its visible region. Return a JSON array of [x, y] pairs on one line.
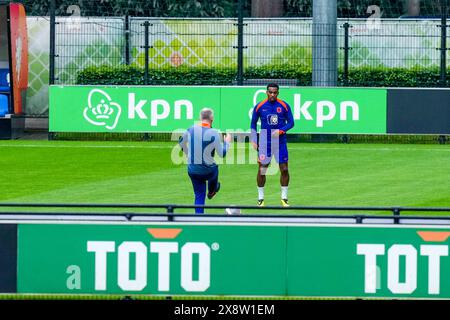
[[51, 77], [127, 39], [51, 71], [170, 210], [443, 68], [146, 47], [443, 80], [396, 212], [146, 82], [346, 48], [240, 45]]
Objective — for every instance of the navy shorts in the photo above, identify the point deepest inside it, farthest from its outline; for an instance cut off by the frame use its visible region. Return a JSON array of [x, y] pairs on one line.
[[280, 152]]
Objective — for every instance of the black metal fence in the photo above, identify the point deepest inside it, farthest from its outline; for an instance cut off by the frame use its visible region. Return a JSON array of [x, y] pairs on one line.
[[393, 53], [164, 42], [308, 214]]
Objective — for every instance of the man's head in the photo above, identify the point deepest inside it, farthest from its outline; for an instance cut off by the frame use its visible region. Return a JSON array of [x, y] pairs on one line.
[[207, 115], [272, 92]]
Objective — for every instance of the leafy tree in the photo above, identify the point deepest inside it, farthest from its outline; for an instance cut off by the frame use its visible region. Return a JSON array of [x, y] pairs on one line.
[[220, 8], [154, 8], [360, 8]]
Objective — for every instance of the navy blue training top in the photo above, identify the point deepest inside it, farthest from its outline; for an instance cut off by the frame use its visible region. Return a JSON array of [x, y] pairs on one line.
[[199, 143]]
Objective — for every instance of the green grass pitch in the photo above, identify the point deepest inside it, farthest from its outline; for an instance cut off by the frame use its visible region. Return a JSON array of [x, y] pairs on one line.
[[144, 173]]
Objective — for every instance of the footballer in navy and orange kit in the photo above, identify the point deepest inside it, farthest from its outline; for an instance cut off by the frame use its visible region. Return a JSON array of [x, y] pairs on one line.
[[276, 119]]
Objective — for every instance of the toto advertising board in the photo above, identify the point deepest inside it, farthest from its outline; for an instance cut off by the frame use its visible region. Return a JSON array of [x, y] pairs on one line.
[[166, 109], [232, 259]]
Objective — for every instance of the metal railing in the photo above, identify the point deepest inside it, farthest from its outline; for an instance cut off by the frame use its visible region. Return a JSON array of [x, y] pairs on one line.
[[276, 213]]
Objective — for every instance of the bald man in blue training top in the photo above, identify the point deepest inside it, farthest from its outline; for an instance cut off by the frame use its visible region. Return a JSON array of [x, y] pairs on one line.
[[276, 119], [200, 142]]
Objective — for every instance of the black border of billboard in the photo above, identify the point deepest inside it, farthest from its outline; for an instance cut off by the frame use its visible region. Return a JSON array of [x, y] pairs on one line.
[[8, 260], [418, 111]]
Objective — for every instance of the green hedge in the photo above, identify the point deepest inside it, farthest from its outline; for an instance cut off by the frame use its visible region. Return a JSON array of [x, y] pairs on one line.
[[129, 75], [395, 77], [361, 77]]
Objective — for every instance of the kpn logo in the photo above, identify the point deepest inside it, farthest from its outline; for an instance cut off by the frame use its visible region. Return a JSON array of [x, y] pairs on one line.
[[102, 110], [134, 269], [405, 263]]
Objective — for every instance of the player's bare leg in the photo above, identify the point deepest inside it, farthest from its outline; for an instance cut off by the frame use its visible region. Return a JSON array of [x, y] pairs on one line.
[[284, 182], [261, 181], [261, 177]]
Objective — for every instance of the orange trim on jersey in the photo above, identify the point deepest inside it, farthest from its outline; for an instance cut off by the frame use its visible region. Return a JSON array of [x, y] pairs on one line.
[[283, 104], [260, 105], [205, 125]]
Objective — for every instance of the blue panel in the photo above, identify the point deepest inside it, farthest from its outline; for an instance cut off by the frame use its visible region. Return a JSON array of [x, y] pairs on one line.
[[3, 105], [4, 78]]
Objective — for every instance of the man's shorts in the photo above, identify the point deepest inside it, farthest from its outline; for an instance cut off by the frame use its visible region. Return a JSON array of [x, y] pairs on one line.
[[279, 151]]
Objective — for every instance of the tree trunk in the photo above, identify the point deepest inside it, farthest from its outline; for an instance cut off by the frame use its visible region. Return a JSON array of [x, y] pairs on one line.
[[267, 8]]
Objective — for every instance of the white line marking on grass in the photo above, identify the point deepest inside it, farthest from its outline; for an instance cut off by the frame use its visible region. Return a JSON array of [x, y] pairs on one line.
[[291, 147]]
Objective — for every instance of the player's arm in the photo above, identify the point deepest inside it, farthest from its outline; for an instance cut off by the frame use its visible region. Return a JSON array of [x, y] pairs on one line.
[[183, 142], [290, 121], [221, 148], [253, 129]]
